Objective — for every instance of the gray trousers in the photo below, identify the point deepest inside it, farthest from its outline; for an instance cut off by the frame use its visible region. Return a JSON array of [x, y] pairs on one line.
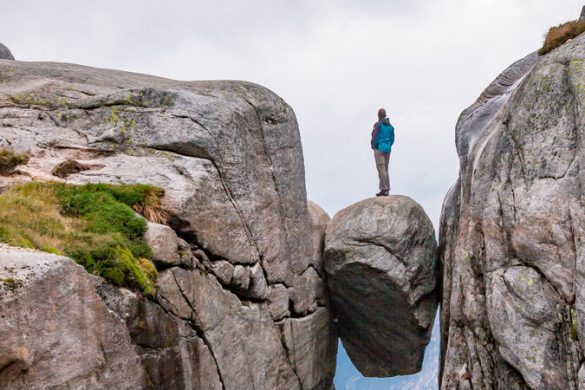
[[382, 160]]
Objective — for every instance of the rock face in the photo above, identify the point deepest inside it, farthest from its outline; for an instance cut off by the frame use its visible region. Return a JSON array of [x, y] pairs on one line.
[[241, 291], [51, 312], [382, 269], [5, 54], [512, 234]]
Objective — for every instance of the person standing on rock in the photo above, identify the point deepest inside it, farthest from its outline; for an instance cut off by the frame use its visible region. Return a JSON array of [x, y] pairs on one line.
[[382, 140]]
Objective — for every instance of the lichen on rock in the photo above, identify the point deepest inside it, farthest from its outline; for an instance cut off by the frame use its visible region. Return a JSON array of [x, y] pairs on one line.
[[512, 231]]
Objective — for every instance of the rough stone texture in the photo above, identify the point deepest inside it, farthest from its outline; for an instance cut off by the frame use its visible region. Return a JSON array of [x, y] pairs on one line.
[[382, 270], [278, 301], [173, 354], [310, 343], [229, 158], [512, 247], [228, 154], [55, 331], [5, 54], [224, 271], [167, 248], [319, 221]]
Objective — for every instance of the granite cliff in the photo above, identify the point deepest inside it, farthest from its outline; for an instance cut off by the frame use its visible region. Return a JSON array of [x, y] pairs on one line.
[[512, 229], [241, 301]]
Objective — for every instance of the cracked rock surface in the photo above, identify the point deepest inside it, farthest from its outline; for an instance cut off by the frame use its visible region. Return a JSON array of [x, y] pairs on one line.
[[55, 330], [512, 248], [382, 269], [241, 302]]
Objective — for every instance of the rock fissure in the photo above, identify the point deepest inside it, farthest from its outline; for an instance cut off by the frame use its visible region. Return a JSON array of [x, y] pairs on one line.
[[201, 333], [272, 173]]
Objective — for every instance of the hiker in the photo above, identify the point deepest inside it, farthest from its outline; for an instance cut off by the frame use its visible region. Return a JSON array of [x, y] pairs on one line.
[[382, 140]]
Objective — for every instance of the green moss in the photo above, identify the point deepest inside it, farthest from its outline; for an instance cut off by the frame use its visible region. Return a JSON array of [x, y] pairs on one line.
[[122, 122], [149, 97], [94, 224], [32, 99], [12, 283], [10, 159]]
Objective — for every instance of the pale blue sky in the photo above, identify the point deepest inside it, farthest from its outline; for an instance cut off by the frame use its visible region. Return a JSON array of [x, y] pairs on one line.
[[335, 62]]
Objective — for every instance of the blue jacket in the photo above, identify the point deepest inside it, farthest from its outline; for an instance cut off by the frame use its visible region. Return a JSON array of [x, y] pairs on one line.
[[383, 136]]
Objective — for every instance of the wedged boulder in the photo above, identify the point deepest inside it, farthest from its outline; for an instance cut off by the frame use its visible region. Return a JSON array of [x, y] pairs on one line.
[[382, 271], [5, 54], [55, 330], [513, 228]]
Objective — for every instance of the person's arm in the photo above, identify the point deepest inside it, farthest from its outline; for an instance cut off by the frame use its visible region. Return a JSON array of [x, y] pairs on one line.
[[392, 136], [375, 134]]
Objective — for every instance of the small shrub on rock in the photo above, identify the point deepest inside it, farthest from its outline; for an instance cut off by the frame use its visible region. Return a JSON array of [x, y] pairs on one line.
[[10, 159], [560, 34]]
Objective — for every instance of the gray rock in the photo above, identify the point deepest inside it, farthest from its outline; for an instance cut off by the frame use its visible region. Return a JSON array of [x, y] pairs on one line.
[[381, 264], [319, 220], [227, 154], [239, 336], [512, 231], [311, 344], [527, 347], [229, 157], [278, 301], [223, 270], [164, 243], [5, 54], [55, 331], [171, 351], [307, 290], [258, 287], [241, 278]]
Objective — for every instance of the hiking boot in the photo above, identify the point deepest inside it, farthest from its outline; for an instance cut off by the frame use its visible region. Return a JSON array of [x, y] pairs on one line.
[[382, 193]]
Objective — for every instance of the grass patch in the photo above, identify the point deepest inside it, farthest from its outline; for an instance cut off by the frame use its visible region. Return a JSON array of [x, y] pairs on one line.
[[11, 283], [94, 224], [560, 34], [10, 159]]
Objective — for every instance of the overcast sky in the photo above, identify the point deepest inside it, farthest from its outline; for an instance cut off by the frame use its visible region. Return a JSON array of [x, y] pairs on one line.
[[335, 62]]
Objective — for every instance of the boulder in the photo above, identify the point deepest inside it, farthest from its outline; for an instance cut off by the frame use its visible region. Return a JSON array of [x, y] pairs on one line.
[[513, 227], [55, 330], [229, 158], [167, 248], [5, 54], [382, 271]]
